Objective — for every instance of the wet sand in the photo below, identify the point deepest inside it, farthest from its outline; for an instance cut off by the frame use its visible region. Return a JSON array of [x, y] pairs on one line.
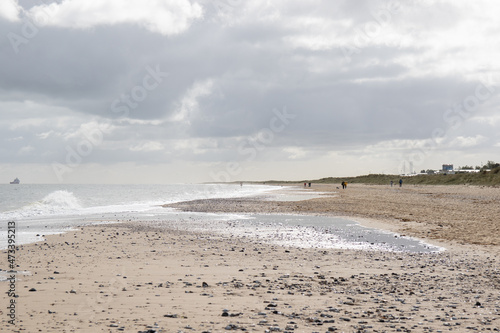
[[459, 214], [139, 277]]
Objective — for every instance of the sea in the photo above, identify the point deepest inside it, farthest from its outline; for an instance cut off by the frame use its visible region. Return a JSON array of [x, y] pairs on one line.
[[41, 210]]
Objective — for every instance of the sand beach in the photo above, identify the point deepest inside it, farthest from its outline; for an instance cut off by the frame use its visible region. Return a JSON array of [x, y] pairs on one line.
[[143, 277]]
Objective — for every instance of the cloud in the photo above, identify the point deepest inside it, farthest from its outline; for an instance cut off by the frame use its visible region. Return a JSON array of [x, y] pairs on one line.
[[189, 103], [229, 67], [490, 120], [10, 10], [467, 142], [45, 135], [295, 152], [165, 17], [26, 150], [94, 131], [148, 146]]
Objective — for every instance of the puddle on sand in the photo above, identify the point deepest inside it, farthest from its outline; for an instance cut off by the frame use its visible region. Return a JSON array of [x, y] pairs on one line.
[[343, 233], [302, 231]]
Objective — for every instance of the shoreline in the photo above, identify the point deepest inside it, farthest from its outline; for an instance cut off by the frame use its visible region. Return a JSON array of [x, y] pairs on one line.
[[453, 214], [136, 277]]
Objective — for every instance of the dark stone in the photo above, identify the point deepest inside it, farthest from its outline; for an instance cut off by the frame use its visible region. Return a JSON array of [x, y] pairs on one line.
[[170, 316]]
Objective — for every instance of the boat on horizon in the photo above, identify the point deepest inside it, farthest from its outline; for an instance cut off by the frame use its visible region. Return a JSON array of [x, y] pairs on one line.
[[15, 181]]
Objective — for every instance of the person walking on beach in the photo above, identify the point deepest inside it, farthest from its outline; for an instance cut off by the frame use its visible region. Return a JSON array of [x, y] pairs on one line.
[[400, 182], [392, 183]]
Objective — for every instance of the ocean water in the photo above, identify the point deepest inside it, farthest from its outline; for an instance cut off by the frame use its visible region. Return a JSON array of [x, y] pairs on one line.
[[18, 202], [40, 210]]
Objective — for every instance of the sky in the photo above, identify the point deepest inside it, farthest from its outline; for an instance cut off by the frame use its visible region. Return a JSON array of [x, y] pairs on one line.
[[186, 91]]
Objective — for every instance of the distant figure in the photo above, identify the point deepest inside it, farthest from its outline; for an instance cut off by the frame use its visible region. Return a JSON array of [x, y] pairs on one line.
[[400, 182], [344, 185], [392, 183], [309, 184], [241, 184], [305, 184]]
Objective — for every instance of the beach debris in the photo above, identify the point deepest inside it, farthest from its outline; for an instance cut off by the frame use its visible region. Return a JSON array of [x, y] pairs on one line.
[[169, 315], [233, 327], [225, 313]]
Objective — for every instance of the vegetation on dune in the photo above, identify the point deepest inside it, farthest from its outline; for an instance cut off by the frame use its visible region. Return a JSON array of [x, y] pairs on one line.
[[485, 178]]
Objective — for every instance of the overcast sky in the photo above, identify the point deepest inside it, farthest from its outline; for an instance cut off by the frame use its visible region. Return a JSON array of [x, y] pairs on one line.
[[170, 91]]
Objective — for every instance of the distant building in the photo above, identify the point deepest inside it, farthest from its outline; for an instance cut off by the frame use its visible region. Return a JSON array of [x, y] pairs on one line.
[[447, 167]]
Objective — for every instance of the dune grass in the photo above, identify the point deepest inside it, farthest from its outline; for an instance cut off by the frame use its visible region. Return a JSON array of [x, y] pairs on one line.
[[484, 178]]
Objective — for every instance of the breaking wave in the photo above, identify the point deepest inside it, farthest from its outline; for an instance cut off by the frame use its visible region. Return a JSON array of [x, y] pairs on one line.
[[57, 202]]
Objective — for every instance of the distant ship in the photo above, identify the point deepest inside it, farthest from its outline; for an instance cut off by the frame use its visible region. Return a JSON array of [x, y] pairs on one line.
[[15, 181]]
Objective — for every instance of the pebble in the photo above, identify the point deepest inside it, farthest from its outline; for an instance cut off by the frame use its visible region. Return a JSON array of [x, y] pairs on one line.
[[170, 316]]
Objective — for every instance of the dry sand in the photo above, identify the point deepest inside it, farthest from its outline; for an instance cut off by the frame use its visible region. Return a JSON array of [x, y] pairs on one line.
[[136, 277]]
